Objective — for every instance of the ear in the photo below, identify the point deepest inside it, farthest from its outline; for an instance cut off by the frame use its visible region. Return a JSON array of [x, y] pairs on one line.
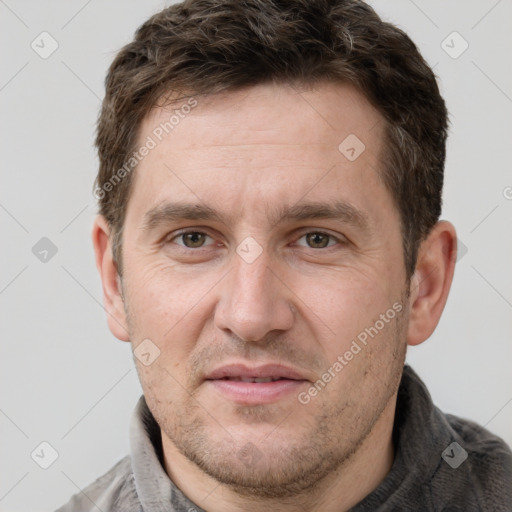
[[112, 292], [431, 281]]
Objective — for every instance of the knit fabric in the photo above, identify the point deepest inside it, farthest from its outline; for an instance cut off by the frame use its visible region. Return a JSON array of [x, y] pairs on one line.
[[442, 463]]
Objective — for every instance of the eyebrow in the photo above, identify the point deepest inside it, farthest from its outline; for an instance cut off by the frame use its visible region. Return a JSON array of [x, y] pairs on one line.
[[168, 212], [340, 210]]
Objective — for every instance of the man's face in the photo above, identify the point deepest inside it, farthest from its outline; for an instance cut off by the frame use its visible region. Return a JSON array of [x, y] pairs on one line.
[[254, 247]]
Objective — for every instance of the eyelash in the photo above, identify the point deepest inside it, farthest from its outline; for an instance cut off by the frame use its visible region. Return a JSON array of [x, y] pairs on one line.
[[338, 240]]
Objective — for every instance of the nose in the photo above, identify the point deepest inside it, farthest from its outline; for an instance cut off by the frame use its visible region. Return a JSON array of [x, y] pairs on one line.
[[253, 301]]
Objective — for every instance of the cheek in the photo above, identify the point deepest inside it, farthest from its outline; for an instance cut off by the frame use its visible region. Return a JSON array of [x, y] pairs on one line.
[[360, 331], [168, 307], [344, 302], [157, 294]]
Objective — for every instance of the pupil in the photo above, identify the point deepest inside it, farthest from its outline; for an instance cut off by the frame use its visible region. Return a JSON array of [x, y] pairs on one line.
[[194, 239], [317, 240]]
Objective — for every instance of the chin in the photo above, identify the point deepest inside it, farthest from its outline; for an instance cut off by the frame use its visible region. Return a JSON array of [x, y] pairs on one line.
[[263, 460], [266, 471]]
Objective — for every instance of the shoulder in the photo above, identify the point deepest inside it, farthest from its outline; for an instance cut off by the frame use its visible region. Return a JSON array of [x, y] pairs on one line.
[[113, 491], [477, 464], [478, 437], [488, 454]]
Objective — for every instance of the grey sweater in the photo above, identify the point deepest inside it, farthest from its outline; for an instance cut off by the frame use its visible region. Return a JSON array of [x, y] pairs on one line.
[[442, 463]]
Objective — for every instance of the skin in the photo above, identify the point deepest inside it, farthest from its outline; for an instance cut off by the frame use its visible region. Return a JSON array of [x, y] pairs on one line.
[[248, 155]]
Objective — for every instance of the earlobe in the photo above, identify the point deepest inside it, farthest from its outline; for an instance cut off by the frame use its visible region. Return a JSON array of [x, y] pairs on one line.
[[431, 282], [112, 292]]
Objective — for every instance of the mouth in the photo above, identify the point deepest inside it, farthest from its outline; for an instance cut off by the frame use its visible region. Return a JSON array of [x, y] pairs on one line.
[[253, 385], [252, 379]]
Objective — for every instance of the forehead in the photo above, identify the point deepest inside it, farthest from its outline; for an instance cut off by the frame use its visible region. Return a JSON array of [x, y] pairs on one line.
[[270, 143], [334, 110]]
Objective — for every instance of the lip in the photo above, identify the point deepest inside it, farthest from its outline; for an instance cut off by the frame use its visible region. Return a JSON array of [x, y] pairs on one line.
[[259, 372], [223, 380]]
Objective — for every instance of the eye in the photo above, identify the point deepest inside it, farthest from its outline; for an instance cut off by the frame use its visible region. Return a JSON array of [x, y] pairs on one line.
[[317, 240], [192, 239]]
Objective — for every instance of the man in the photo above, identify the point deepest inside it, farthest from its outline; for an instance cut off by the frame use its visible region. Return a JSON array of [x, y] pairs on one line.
[[269, 242]]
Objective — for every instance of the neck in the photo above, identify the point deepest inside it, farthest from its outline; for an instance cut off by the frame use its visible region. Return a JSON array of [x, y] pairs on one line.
[[340, 491]]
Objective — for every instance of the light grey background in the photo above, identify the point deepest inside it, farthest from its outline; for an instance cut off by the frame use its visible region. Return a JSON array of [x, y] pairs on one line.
[[65, 379]]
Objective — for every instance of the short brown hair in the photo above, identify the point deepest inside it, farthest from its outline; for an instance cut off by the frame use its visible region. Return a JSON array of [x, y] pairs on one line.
[[202, 47]]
